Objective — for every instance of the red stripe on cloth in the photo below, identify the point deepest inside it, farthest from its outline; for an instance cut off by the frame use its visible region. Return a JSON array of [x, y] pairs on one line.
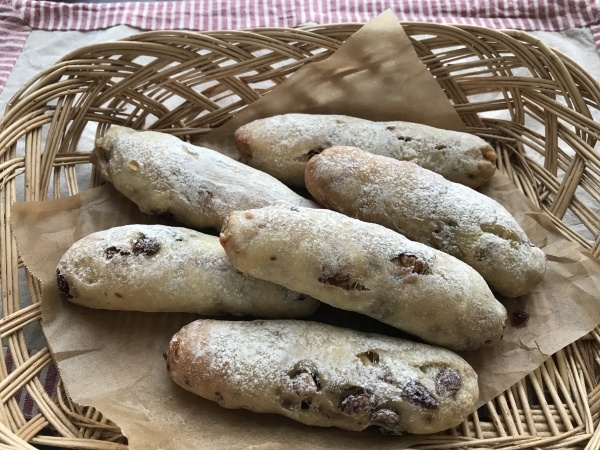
[[233, 14], [48, 376], [13, 35], [28, 406], [596, 34]]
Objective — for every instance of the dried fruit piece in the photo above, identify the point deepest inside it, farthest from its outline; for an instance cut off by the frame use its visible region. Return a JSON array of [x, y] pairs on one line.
[[447, 382], [385, 417], [144, 246], [343, 281], [305, 379], [411, 261], [355, 400], [63, 286], [112, 251], [303, 385], [417, 394], [519, 319]]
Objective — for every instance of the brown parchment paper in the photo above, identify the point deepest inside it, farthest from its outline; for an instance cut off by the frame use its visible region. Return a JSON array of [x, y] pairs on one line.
[[113, 360], [374, 75]]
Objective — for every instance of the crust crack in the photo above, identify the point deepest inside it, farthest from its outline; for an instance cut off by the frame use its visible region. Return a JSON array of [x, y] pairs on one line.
[[412, 263], [343, 281]]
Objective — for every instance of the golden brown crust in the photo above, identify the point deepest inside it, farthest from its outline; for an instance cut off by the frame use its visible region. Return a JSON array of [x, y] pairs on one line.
[[323, 375], [427, 208]]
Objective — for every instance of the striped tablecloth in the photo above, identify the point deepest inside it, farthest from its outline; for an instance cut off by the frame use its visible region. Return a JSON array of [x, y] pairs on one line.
[[20, 18]]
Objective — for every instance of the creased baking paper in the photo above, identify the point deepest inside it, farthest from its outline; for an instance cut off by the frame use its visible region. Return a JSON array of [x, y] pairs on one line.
[[113, 360], [374, 75]]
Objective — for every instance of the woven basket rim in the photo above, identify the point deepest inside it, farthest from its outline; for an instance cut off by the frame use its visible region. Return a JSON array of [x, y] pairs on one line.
[[17, 109]]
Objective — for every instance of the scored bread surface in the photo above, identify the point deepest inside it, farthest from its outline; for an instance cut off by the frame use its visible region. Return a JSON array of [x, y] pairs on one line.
[[366, 268], [322, 375], [282, 145], [427, 208], [198, 186], [156, 268]]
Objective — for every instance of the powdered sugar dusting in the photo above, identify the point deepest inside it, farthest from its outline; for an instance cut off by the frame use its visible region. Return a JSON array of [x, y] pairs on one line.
[[199, 186], [366, 268], [429, 209], [313, 373], [281, 145], [187, 272]]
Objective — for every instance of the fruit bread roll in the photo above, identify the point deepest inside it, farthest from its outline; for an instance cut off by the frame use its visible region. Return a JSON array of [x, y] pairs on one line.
[[366, 268], [157, 268], [282, 145], [198, 186], [427, 208], [323, 375]]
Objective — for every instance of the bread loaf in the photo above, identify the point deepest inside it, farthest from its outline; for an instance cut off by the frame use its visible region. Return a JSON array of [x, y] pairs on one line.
[[427, 208], [158, 268], [198, 186], [282, 145], [366, 268], [323, 375]]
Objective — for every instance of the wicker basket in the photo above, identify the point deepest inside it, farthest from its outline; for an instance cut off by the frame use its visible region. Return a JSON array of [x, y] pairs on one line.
[[186, 83]]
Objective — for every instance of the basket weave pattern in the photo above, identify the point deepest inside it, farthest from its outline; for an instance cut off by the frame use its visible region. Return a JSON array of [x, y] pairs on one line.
[[536, 106]]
